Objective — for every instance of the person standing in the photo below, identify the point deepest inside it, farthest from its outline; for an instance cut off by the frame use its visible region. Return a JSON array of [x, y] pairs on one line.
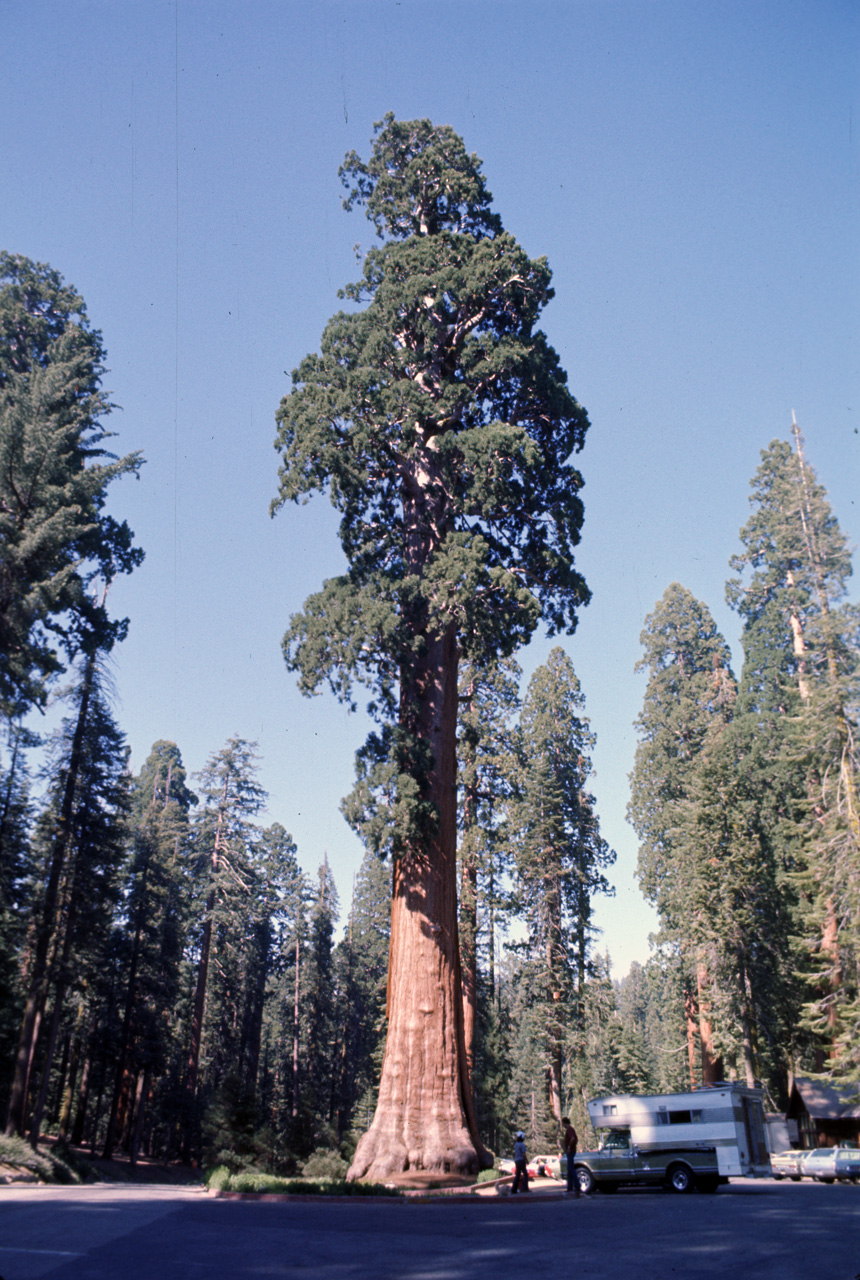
[[571, 1145], [521, 1170]]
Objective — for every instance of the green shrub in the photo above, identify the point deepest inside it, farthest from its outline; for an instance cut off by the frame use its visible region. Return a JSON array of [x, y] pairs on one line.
[[324, 1163], [218, 1179], [47, 1164], [255, 1181], [488, 1175]]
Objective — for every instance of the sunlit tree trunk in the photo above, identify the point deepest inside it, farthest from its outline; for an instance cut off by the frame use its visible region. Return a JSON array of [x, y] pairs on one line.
[[425, 1116]]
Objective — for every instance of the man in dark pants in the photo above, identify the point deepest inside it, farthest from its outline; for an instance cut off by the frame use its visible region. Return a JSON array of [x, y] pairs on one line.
[[571, 1143], [520, 1164]]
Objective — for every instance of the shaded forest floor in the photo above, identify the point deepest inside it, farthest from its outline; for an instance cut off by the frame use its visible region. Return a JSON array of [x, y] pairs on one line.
[[92, 1168]]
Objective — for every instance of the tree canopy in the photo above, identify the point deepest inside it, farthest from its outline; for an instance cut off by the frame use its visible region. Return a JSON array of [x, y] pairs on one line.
[[55, 535]]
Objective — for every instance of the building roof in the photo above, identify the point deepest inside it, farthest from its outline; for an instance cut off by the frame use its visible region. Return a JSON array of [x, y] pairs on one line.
[[829, 1101]]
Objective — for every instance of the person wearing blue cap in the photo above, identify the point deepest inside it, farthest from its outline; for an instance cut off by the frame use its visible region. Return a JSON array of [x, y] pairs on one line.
[[520, 1164]]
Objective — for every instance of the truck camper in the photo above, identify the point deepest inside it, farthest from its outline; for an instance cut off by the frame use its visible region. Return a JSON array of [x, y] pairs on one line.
[[679, 1140]]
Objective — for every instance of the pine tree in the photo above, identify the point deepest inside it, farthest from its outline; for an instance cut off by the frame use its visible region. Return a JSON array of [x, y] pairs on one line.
[[319, 1042], [800, 686], [223, 837], [152, 938], [16, 815], [55, 536], [82, 839], [560, 856], [362, 965], [689, 701], [489, 700], [438, 420]]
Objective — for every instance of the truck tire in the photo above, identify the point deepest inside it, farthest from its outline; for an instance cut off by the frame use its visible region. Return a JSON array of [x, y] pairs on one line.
[[585, 1178], [680, 1178]]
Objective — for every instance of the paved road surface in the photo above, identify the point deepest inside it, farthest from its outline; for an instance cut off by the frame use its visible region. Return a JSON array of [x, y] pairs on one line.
[[766, 1230]]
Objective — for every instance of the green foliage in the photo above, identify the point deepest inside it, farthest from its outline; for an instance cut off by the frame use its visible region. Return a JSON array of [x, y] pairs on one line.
[[801, 670], [689, 698], [559, 853], [55, 536], [438, 420], [258, 1183], [231, 1127], [48, 1163], [324, 1163], [362, 969], [218, 1179], [559, 859]]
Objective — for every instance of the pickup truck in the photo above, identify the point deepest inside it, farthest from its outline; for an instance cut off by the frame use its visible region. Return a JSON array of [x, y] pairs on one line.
[[621, 1163]]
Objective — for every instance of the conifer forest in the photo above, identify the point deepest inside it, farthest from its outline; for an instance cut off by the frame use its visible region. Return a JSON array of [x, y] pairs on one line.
[[177, 984]]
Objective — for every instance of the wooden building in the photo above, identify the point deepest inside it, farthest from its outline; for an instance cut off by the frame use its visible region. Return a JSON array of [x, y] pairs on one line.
[[826, 1115]]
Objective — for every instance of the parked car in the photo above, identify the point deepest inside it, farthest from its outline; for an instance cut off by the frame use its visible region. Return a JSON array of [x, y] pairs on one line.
[[538, 1167], [819, 1164], [545, 1167], [848, 1164], [786, 1164]]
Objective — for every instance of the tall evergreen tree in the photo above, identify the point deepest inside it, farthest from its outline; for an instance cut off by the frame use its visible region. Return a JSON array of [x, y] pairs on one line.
[[55, 469], [224, 836], [16, 814], [489, 700], [559, 854], [152, 938], [438, 419], [689, 701], [800, 688], [82, 839], [362, 963]]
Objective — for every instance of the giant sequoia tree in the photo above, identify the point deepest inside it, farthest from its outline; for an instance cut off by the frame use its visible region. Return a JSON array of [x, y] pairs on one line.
[[438, 419]]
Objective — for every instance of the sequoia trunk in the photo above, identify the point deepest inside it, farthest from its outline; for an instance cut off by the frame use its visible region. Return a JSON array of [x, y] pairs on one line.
[[424, 1115]]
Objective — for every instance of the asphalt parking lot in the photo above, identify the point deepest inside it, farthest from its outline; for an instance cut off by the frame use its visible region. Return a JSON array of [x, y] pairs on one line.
[[766, 1229]]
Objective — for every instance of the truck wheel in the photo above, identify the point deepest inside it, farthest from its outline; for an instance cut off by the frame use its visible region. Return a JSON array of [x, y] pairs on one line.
[[585, 1178], [680, 1178]]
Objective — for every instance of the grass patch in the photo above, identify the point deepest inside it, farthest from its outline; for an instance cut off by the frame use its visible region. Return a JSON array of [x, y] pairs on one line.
[[221, 1179], [48, 1164]]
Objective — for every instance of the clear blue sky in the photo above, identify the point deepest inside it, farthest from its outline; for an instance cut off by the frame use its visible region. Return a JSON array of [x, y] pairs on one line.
[[691, 173]]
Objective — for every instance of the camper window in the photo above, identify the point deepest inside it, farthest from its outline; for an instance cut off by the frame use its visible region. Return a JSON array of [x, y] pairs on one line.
[[679, 1117]]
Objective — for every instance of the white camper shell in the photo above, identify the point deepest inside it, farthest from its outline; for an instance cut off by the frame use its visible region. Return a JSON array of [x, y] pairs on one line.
[[726, 1116]]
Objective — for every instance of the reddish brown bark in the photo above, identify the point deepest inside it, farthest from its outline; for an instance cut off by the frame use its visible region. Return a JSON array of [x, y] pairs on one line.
[[425, 1116], [691, 1019], [712, 1063]]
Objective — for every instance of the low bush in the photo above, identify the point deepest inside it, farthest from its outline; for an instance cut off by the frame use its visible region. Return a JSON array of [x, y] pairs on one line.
[[325, 1164], [218, 1178], [48, 1164], [221, 1179]]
